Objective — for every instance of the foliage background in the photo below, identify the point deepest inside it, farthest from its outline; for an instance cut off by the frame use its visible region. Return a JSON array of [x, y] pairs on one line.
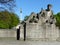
[[8, 19], [57, 17]]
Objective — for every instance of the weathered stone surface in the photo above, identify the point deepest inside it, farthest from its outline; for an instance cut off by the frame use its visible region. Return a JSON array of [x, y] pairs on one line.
[[44, 28], [35, 31], [7, 33]]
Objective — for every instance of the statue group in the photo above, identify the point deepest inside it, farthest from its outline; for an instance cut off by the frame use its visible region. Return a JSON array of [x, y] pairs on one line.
[[46, 15], [42, 25]]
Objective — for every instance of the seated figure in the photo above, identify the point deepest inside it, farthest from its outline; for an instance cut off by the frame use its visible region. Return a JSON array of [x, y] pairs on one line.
[[48, 15], [34, 19]]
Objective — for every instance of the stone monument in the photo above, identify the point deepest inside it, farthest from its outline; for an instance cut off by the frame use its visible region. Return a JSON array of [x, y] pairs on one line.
[[42, 25]]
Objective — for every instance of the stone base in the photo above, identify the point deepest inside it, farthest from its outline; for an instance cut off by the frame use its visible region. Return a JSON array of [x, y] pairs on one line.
[[40, 39], [36, 32]]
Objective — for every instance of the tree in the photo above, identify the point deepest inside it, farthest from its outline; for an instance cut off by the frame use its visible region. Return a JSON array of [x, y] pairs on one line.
[[26, 17], [14, 20], [8, 19], [57, 16], [8, 4]]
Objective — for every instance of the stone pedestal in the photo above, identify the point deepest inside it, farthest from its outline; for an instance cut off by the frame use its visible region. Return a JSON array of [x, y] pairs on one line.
[[36, 31]]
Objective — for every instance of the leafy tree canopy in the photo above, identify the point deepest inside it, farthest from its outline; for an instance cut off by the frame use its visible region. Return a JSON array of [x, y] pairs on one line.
[[26, 17], [7, 5], [8, 19], [57, 16]]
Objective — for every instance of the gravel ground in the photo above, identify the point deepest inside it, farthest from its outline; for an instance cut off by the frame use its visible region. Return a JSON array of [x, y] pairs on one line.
[[13, 41]]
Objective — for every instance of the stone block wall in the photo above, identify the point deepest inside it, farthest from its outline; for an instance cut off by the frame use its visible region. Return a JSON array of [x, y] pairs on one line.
[[36, 31], [7, 33]]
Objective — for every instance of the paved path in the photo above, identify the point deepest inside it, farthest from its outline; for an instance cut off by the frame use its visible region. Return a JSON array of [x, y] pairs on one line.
[[8, 41]]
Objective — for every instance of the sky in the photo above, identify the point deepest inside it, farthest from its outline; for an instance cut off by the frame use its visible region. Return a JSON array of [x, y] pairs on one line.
[[29, 6]]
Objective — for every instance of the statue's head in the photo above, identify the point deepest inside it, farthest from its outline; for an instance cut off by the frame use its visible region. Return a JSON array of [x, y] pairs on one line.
[[49, 6]]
